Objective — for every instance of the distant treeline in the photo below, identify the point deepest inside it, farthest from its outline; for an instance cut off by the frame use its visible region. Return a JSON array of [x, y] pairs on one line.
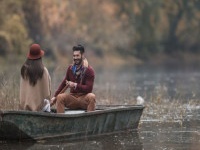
[[138, 28]]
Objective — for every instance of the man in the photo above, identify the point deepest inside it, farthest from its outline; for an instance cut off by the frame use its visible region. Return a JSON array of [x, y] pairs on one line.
[[80, 79]]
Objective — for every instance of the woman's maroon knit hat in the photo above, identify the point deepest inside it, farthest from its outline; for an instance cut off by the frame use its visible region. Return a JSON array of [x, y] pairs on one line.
[[35, 52]]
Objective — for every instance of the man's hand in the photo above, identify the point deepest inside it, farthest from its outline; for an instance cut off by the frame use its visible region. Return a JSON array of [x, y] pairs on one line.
[[53, 101], [71, 84]]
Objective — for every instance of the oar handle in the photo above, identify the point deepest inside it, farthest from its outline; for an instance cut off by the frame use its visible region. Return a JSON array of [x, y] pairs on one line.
[[64, 89]]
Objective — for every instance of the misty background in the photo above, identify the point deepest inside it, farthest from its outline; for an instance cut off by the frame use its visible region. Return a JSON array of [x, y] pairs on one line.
[[121, 38], [113, 31], [147, 48]]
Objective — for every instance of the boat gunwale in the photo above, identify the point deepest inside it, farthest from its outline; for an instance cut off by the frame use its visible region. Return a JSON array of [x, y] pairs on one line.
[[108, 109]]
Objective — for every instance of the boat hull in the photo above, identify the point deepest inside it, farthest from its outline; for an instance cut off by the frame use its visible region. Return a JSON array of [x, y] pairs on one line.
[[21, 125]]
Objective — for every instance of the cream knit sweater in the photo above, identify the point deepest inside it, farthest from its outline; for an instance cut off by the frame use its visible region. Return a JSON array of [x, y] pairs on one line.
[[32, 97]]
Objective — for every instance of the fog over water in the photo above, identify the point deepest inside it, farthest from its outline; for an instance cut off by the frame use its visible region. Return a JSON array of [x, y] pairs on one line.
[[171, 119]]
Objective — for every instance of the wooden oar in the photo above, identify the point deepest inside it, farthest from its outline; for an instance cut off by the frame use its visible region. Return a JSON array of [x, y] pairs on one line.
[[62, 91]]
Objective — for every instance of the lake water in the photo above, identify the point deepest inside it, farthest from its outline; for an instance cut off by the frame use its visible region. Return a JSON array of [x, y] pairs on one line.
[[171, 119]]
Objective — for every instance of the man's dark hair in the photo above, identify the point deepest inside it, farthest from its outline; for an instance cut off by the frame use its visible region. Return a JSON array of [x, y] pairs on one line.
[[80, 48]]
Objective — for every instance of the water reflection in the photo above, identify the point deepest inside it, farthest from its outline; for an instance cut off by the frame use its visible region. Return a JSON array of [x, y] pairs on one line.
[[119, 141], [14, 145], [171, 135], [171, 119], [152, 135]]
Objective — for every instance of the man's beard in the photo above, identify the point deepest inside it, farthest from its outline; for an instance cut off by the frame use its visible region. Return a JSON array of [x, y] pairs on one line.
[[78, 61]]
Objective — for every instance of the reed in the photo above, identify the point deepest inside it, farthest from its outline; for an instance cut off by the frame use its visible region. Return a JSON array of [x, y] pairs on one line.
[[159, 106], [9, 91]]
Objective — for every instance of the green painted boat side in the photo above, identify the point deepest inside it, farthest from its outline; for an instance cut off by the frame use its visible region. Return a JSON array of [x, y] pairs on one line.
[[21, 125]]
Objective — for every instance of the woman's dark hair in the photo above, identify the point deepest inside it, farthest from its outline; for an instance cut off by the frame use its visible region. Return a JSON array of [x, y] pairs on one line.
[[79, 47], [32, 70]]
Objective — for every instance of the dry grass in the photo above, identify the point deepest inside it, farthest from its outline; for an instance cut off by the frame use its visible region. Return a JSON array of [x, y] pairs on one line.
[[158, 106], [9, 91]]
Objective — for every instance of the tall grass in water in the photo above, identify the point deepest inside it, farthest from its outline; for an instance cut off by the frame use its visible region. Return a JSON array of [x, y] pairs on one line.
[[158, 104], [160, 107], [9, 89]]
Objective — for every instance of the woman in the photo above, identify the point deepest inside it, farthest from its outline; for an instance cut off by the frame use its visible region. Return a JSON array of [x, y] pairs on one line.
[[35, 82]]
